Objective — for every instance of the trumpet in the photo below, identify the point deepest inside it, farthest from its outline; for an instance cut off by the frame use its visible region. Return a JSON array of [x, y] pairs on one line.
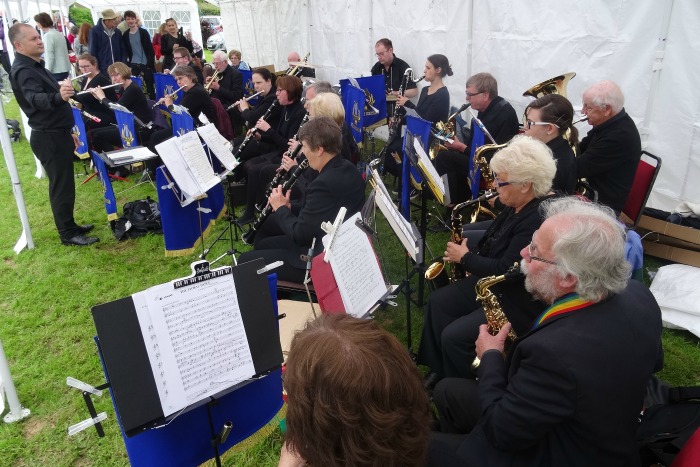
[[215, 77], [296, 69], [444, 131], [246, 99], [171, 95]]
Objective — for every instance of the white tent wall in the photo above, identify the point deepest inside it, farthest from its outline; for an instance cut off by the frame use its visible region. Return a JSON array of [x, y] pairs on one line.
[[646, 46]]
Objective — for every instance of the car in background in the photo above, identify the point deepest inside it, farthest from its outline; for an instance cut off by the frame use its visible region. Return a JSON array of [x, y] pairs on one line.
[[216, 42], [214, 23]]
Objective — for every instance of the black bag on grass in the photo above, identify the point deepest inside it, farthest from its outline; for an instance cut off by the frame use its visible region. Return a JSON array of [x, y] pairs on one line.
[[668, 423], [140, 217]]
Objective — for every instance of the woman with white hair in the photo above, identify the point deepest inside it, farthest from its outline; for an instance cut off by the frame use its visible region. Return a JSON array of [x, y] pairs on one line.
[[523, 173]]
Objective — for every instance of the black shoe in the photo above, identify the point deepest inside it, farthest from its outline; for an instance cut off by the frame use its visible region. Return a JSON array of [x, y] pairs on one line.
[[85, 228], [441, 227], [430, 380], [80, 240]]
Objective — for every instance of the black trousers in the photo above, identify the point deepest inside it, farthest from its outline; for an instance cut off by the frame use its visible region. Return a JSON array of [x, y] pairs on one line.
[[54, 149], [445, 306], [138, 69], [261, 170], [457, 402], [456, 166], [272, 245]]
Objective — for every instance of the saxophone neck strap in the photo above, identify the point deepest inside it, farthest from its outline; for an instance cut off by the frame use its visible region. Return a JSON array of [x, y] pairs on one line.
[[565, 304]]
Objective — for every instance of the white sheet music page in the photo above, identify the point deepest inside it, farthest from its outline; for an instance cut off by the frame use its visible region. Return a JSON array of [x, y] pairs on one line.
[[169, 151], [218, 145], [356, 268], [197, 160], [195, 338]]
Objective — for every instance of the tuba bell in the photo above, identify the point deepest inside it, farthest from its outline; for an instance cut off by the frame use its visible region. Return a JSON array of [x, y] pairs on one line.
[[556, 85]]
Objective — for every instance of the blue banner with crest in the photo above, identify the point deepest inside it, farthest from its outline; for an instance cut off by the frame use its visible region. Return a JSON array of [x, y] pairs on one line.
[[110, 200], [248, 88], [181, 121], [354, 104], [125, 124], [166, 84], [79, 129], [375, 97], [478, 139], [419, 128]]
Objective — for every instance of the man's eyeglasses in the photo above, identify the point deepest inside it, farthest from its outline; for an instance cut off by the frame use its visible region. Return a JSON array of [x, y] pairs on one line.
[[472, 94], [178, 58], [537, 258], [529, 124], [381, 54]]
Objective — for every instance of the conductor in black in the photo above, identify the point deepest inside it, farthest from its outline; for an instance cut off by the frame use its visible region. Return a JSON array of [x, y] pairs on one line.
[[45, 102]]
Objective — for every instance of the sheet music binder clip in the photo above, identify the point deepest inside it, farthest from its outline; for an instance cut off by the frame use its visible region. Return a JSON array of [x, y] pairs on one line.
[[94, 419], [201, 272], [331, 230]]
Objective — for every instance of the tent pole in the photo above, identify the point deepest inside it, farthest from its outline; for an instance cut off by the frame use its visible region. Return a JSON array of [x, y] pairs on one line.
[[470, 37], [656, 71], [17, 412]]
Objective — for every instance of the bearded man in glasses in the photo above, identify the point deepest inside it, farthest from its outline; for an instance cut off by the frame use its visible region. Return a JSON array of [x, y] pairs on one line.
[[569, 390]]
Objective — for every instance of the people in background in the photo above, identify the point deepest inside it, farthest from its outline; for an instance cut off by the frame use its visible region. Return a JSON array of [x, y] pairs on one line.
[[139, 51], [235, 57], [106, 41], [55, 48]]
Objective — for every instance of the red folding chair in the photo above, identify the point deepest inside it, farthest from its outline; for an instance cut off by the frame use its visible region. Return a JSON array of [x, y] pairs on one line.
[[644, 178]]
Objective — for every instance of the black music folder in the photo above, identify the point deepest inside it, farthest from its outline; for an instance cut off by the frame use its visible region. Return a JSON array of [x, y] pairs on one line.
[[130, 354]]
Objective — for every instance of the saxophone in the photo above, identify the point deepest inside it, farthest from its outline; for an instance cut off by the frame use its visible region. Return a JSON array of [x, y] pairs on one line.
[[495, 316], [436, 274]]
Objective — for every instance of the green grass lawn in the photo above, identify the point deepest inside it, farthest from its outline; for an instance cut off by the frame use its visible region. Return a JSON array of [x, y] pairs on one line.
[[46, 327]]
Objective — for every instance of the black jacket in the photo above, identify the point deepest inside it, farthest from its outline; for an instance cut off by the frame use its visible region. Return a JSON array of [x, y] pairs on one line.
[[501, 121], [230, 87], [609, 157], [147, 48], [565, 178]]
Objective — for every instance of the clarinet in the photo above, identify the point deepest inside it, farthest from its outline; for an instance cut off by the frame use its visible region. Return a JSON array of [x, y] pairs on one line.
[[281, 174], [253, 132], [249, 237]]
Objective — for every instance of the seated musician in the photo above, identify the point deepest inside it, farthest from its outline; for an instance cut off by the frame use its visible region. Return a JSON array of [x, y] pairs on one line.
[[234, 57], [268, 140], [182, 57], [326, 104], [499, 118], [88, 64], [264, 83], [433, 106], [523, 173], [354, 397], [570, 389], [195, 99], [547, 119], [130, 96], [284, 235], [392, 68], [228, 86], [610, 152], [306, 72]]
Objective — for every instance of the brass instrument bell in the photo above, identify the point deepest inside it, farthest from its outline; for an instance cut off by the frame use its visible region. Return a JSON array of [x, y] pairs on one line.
[[556, 85]]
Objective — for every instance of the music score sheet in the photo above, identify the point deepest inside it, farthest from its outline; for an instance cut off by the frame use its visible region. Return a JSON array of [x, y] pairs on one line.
[[356, 269], [195, 338], [218, 145]]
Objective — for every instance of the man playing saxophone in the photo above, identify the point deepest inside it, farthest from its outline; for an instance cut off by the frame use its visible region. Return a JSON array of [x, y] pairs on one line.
[[571, 387], [523, 173]]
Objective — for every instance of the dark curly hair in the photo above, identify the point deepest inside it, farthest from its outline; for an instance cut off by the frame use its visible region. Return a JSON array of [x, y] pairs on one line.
[[355, 398]]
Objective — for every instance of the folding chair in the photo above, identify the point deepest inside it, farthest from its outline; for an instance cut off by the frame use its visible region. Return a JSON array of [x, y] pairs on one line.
[[644, 178]]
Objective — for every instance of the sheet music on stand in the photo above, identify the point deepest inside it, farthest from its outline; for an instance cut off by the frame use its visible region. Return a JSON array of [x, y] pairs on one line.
[[189, 166], [130, 155], [356, 269], [419, 158], [407, 233], [219, 146], [195, 338]]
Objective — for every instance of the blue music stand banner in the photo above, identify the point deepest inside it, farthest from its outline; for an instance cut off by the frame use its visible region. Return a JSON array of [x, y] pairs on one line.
[[110, 199], [419, 128], [354, 104], [127, 131], [166, 84], [138, 80], [182, 122], [82, 150], [375, 86], [478, 139], [248, 88]]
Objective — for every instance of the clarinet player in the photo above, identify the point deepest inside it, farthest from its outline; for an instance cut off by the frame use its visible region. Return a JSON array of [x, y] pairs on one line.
[[284, 235]]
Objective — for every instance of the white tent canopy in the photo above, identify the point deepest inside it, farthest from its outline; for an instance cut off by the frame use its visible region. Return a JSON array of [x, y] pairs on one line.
[[647, 47]]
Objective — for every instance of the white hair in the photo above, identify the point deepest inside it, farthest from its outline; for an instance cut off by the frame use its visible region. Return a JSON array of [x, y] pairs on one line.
[[221, 55], [589, 245], [526, 159], [606, 93]]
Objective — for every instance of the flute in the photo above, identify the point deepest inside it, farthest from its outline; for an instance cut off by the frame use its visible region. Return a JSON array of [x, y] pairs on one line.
[[172, 96], [81, 76], [85, 114], [236, 104], [89, 91]]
